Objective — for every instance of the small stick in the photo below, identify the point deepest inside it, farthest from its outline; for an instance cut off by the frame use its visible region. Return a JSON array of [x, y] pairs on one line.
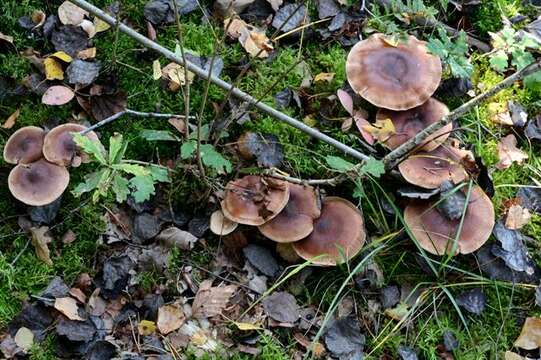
[[395, 157], [331, 181]]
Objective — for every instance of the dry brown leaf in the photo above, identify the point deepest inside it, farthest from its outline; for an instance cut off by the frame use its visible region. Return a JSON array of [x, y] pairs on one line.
[[96, 305], [530, 336], [71, 14], [509, 153], [328, 77], [68, 306], [53, 69], [40, 240], [24, 338], [517, 217], [252, 39], [509, 355], [146, 327], [57, 95], [38, 18], [176, 75], [89, 28], [69, 237], [381, 130], [178, 124], [10, 121], [210, 301], [89, 53], [78, 294], [317, 348], [156, 70], [499, 113], [170, 318]]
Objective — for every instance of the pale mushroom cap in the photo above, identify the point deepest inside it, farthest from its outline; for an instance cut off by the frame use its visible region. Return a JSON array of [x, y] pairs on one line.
[[436, 234], [254, 200], [24, 145], [409, 123], [430, 169], [339, 232], [220, 225], [396, 78], [59, 147], [38, 183], [296, 220]]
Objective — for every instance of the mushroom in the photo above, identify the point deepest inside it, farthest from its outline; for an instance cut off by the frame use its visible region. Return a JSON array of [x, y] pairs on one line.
[[429, 169], [24, 145], [338, 234], [59, 147], [220, 225], [296, 220], [396, 77], [436, 232], [38, 183], [409, 123], [254, 200]]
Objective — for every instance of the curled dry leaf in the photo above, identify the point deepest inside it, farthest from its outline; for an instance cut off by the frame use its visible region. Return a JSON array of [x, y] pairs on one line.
[[170, 318], [10, 121], [40, 241], [508, 152], [176, 76], [530, 336], [252, 39], [71, 14], [68, 306], [210, 301], [517, 217], [381, 130], [57, 95]]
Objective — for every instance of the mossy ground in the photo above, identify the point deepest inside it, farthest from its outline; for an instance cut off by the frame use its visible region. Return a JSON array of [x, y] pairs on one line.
[[486, 337]]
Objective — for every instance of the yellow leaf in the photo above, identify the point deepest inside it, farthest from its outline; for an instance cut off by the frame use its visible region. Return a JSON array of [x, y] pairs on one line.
[[391, 40], [156, 70], [381, 130], [11, 119], [247, 326], [60, 55], [101, 25], [324, 77], [53, 69], [146, 327]]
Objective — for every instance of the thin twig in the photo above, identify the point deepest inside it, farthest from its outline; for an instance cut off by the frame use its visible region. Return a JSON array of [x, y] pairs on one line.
[[395, 157], [279, 175]]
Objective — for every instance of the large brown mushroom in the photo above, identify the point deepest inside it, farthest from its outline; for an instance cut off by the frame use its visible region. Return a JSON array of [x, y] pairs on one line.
[[38, 183], [429, 169], [409, 123], [396, 77], [59, 147], [296, 220], [435, 231], [24, 145], [338, 234], [254, 200]]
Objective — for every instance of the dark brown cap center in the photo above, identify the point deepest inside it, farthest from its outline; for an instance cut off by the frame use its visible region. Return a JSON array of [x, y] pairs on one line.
[[394, 66]]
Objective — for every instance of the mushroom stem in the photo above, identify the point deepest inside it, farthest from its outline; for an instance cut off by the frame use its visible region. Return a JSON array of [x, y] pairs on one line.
[[396, 156]]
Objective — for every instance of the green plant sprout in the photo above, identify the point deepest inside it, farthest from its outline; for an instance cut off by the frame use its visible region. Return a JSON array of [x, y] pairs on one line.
[[454, 54]]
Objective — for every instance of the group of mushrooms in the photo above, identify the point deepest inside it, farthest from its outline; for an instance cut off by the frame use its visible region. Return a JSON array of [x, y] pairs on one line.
[[41, 158]]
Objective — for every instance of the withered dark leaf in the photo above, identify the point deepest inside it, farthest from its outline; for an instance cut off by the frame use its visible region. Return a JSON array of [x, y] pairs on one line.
[[282, 307], [450, 341], [327, 8], [262, 259], [104, 106], [265, 147], [390, 296], [519, 116], [474, 301], [496, 268], [69, 39], [163, 11], [35, 317], [82, 72], [283, 98], [407, 353], [533, 129], [454, 87], [296, 14], [114, 276], [55, 289], [512, 250], [75, 330], [530, 198], [452, 202], [198, 226], [145, 227], [100, 350], [343, 338]]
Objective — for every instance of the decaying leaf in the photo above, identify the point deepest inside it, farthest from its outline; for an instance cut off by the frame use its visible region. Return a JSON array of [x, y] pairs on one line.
[[86, 54], [71, 14], [174, 237], [252, 39], [10, 121], [88, 27], [176, 75], [57, 95], [517, 217], [170, 318], [474, 301], [282, 307], [100, 25], [68, 306], [24, 338], [381, 130], [499, 113], [344, 339], [105, 105], [70, 39], [210, 301], [326, 77], [83, 72], [53, 69], [508, 152], [530, 336], [40, 241], [146, 327], [156, 70]]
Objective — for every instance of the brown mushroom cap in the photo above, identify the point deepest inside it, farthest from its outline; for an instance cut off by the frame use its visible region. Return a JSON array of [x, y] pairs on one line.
[[409, 123], [59, 147], [220, 225], [430, 169], [338, 232], [24, 145], [296, 220], [436, 233], [393, 77], [38, 183], [254, 200]]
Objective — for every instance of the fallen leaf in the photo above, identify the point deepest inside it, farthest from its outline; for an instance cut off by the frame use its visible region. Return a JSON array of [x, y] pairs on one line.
[[508, 152], [40, 240], [346, 100], [517, 217], [9, 348], [176, 75], [343, 338], [83, 72], [252, 39], [327, 77], [85, 54], [530, 336], [53, 69], [6, 38], [290, 17], [173, 237], [70, 39], [57, 95], [71, 14], [78, 294], [68, 306], [170, 318], [69, 237], [210, 301], [156, 70], [24, 338], [60, 55], [381, 130], [247, 326], [266, 148], [509, 355], [317, 348], [96, 305], [474, 301], [275, 4], [499, 113], [10, 121], [76, 330], [146, 327], [261, 258], [101, 25], [88, 27], [178, 124], [282, 307]]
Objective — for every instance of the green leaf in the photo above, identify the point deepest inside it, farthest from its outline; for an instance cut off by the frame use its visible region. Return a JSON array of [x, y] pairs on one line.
[[205, 131], [453, 53], [521, 59], [158, 135], [93, 148], [499, 60], [143, 186], [120, 187], [373, 167], [116, 148], [214, 159], [134, 169], [187, 149], [338, 164], [159, 173], [91, 182]]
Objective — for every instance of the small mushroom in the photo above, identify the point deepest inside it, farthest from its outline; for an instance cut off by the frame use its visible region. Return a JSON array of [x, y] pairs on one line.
[[38, 183], [24, 145], [436, 233], [254, 200], [429, 169], [338, 234], [396, 77], [296, 220], [409, 123], [59, 147], [220, 225]]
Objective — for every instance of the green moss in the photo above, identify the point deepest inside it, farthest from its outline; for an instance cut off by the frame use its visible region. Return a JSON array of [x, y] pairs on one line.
[[489, 14]]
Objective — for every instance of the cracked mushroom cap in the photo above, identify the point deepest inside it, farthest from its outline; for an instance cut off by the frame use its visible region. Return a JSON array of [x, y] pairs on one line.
[[24, 145], [429, 169], [436, 233], [220, 225], [338, 232], [393, 77], [38, 183], [254, 200], [59, 147], [409, 123], [296, 220]]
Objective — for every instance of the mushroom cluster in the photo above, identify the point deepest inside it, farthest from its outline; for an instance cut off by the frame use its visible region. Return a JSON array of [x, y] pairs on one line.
[[400, 79], [40, 175], [326, 232]]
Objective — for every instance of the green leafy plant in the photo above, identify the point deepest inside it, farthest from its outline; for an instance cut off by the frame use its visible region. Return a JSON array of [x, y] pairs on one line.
[[454, 54], [371, 167], [117, 175], [511, 49]]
